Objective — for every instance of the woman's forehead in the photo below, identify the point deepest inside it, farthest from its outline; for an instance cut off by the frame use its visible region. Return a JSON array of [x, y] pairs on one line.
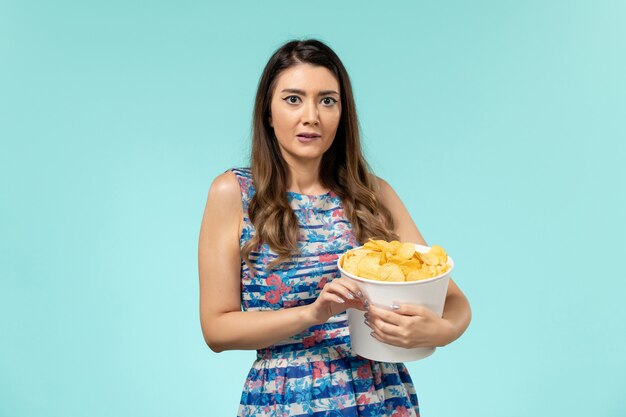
[[308, 78]]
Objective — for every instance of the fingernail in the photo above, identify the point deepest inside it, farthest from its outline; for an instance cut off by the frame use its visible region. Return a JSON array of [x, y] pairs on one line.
[[367, 323], [366, 304], [395, 307], [351, 296], [372, 334], [367, 316], [360, 294], [340, 300]]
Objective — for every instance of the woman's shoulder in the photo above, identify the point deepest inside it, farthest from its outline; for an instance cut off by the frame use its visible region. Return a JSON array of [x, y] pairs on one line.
[[232, 186], [382, 188], [225, 188], [387, 195]]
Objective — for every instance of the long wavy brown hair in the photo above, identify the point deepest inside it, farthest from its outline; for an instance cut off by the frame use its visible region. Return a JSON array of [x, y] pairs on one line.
[[343, 168]]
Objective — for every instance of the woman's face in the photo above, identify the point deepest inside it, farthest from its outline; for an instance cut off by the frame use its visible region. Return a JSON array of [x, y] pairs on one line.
[[305, 112]]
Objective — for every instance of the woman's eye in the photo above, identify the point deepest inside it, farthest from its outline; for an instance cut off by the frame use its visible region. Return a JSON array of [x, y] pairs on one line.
[[292, 99], [328, 101]]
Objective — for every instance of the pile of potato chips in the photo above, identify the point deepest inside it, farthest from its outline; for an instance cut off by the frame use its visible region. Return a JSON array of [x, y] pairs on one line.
[[394, 261]]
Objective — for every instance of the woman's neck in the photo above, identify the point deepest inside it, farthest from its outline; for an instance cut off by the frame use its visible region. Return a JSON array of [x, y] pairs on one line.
[[305, 178]]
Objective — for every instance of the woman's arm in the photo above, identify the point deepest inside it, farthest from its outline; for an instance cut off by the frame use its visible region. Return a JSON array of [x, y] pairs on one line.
[[412, 326], [224, 325]]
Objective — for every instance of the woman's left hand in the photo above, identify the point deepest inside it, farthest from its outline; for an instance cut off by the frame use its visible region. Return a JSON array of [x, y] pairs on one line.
[[409, 326]]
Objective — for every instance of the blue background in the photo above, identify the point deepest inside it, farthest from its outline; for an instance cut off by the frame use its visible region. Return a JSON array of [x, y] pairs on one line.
[[500, 124]]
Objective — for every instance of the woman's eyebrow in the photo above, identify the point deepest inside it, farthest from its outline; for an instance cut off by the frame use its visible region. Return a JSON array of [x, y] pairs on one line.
[[302, 93]]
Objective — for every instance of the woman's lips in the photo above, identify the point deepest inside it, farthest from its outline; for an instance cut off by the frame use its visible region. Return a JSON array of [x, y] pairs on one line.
[[305, 138]]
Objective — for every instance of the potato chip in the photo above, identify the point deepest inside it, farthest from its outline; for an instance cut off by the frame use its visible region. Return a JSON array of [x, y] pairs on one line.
[[383, 257], [385, 246], [368, 267], [394, 261], [418, 275], [361, 252], [406, 250], [440, 253], [429, 259], [411, 265], [440, 269], [371, 245], [391, 272], [350, 265]]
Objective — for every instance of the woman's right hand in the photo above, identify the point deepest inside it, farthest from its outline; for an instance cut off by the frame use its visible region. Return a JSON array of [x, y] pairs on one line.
[[336, 297]]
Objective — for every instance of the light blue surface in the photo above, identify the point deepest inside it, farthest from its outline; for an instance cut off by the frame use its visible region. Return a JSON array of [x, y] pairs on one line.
[[500, 124]]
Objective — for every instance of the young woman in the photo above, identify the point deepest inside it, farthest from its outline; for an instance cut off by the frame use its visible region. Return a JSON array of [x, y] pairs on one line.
[[270, 238]]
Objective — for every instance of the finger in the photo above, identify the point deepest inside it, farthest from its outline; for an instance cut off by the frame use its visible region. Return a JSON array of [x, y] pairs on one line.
[[350, 286], [412, 310], [357, 304], [334, 294], [387, 316], [381, 327], [354, 288], [399, 336], [390, 340], [332, 297], [340, 290]]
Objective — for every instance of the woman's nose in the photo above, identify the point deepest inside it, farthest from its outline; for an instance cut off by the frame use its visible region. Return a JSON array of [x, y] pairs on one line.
[[310, 113]]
